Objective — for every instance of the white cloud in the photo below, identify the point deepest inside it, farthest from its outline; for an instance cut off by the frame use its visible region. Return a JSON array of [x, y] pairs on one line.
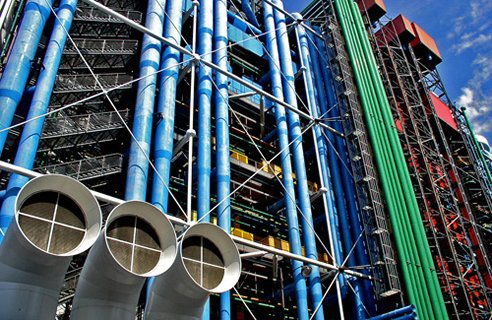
[[469, 40], [466, 98]]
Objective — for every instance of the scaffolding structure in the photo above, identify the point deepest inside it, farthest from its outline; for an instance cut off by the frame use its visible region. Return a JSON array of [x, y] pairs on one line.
[[452, 230], [289, 215]]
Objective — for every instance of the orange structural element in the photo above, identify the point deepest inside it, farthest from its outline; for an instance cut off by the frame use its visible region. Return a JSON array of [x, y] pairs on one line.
[[375, 8], [425, 47], [399, 27]]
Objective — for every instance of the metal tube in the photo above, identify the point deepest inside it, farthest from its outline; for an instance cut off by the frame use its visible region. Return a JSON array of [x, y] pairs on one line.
[[115, 201], [164, 130], [395, 313], [246, 5], [189, 195], [242, 25], [34, 258], [339, 158], [223, 158], [202, 58], [16, 73], [429, 270], [31, 134], [280, 115], [138, 165], [332, 167], [112, 278], [295, 135], [204, 94]]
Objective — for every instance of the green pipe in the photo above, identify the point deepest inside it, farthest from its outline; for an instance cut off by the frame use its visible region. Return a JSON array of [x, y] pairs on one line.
[[400, 150], [403, 252], [424, 250]]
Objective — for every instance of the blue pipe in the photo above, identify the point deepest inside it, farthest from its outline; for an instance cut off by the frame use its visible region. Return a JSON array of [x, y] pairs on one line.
[[407, 317], [298, 155], [29, 141], [16, 73], [204, 94], [221, 41], [205, 33], [138, 165], [334, 168], [327, 93], [246, 5], [395, 313], [164, 130], [280, 115], [242, 25]]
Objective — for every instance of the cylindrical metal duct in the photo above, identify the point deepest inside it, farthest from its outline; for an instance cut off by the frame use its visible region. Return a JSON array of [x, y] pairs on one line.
[[138, 242], [207, 262], [56, 217]]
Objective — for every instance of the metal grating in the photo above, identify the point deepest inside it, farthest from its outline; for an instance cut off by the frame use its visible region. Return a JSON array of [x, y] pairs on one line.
[[53, 222]]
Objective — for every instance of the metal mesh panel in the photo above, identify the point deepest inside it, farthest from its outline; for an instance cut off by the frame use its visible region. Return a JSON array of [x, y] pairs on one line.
[[68, 212], [203, 261], [134, 244], [64, 239], [52, 221], [122, 229], [37, 231], [122, 252], [40, 205]]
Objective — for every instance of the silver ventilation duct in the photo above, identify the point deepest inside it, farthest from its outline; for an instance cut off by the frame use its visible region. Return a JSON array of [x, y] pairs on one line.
[[138, 242], [56, 218], [208, 262]]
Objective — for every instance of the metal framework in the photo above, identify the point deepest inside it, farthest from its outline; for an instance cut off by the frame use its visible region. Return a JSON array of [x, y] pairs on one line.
[[461, 260], [369, 194]]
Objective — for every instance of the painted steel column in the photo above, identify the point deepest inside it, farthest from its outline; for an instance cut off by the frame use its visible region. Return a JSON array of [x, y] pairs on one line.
[[16, 73], [204, 95], [223, 158], [290, 203], [205, 33], [138, 165], [29, 141], [164, 131], [333, 168], [295, 134], [327, 101]]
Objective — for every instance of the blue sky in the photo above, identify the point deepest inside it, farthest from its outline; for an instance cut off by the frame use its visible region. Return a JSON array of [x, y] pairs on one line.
[[463, 32]]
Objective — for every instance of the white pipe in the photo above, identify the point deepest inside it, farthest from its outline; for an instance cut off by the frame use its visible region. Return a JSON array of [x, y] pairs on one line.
[[112, 200], [181, 293], [138, 242], [39, 245]]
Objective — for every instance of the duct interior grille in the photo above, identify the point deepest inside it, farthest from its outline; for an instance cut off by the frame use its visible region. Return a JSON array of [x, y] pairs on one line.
[[134, 244], [52, 221], [203, 261]]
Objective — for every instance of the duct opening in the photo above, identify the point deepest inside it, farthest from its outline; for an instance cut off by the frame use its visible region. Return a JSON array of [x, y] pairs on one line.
[[52, 221], [134, 243], [203, 261]]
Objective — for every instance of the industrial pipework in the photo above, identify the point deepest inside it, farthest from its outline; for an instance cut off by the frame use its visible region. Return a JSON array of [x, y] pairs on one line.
[[56, 218], [207, 262], [138, 242]]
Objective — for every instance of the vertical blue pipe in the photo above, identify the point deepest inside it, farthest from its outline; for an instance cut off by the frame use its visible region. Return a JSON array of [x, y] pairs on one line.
[[164, 131], [16, 72], [280, 116], [204, 94], [221, 41], [335, 169], [361, 252], [298, 155], [205, 34], [138, 165], [29, 141]]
